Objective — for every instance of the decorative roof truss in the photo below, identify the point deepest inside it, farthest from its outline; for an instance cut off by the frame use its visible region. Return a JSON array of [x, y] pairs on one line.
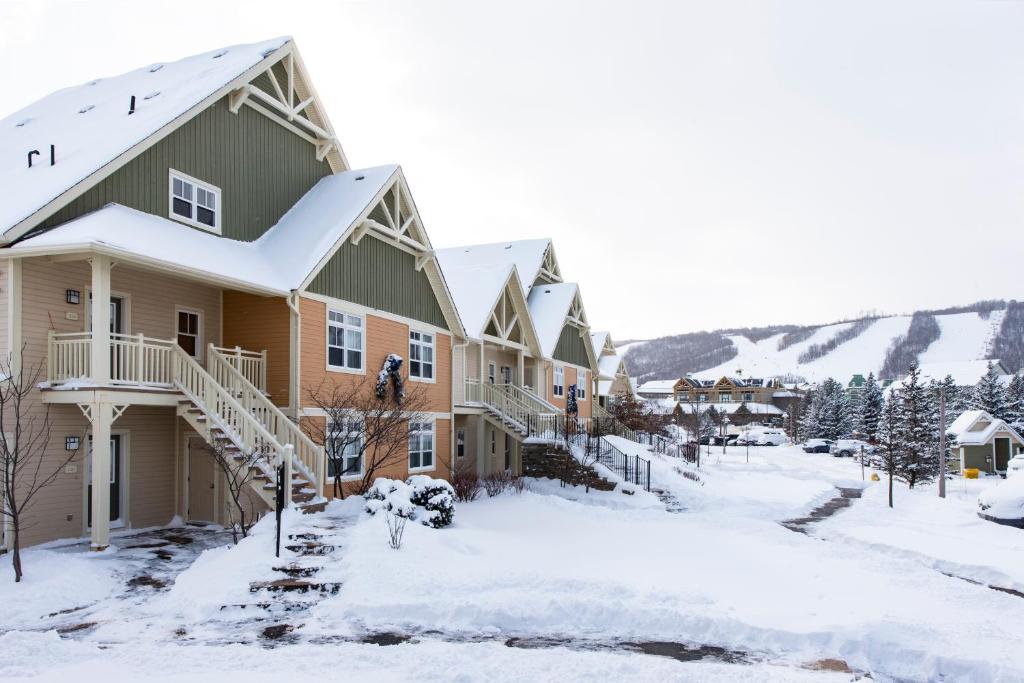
[[504, 325], [287, 97], [577, 315], [549, 270], [395, 220]]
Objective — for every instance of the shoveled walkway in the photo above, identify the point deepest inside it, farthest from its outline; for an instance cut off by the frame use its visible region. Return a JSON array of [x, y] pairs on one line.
[[832, 506]]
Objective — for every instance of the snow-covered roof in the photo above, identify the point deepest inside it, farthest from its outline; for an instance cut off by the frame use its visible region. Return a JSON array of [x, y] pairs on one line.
[[476, 289], [732, 407], [279, 261], [549, 307], [608, 366], [656, 386], [598, 340], [89, 124], [977, 427], [526, 255]]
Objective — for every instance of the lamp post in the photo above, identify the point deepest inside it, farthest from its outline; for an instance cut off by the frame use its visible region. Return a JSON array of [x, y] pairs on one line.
[[725, 427], [942, 442]]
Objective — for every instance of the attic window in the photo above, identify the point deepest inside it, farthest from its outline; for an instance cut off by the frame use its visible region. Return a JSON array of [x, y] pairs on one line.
[[194, 202]]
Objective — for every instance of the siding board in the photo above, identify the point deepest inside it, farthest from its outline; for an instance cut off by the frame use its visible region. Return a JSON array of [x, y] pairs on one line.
[[377, 275], [262, 169]]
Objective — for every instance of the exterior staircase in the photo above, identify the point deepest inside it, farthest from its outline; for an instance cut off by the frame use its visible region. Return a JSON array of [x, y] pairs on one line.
[[512, 407], [232, 414]]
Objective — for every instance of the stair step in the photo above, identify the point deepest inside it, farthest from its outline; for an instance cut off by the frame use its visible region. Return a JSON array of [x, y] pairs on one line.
[[310, 548], [297, 571], [296, 586], [313, 508]]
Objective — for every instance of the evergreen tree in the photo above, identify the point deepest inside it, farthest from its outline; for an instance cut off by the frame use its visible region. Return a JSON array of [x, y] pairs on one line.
[[1015, 400], [989, 394], [872, 401], [916, 431], [809, 428], [887, 455]]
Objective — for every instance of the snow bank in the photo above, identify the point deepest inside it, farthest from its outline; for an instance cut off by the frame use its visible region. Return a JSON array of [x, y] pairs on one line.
[[53, 582]]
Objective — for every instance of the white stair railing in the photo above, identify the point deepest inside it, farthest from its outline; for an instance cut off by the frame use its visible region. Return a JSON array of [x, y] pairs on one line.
[[309, 457]]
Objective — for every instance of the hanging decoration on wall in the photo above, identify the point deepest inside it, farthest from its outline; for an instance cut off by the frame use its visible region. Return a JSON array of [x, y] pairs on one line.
[[391, 374], [571, 408]]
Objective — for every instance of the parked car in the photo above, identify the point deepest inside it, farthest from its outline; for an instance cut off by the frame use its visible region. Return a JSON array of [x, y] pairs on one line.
[[1015, 467], [1004, 503], [818, 445], [730, 439], [847, 448], [772, 437]]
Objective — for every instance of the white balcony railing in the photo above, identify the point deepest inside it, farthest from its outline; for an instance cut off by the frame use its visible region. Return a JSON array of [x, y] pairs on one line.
[[134, 359], [139, 360], [251, 364]]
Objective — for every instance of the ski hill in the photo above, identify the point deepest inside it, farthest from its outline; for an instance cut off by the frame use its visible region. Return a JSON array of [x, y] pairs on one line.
[[884, 345]]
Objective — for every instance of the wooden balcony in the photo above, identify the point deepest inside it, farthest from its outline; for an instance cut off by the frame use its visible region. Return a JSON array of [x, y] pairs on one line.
[[136, 362]]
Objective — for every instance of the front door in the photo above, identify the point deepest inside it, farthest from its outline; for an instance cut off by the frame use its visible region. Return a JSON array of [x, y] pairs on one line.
[[506, 374], [1002, 454], [200, 482], [115, 479]]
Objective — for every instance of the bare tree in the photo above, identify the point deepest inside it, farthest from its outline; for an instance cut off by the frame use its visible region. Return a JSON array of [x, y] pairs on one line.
[[239, 469], [25, 469], [365, 431]]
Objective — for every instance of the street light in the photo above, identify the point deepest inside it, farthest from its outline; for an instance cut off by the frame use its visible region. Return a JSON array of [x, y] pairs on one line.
[[725, 427]]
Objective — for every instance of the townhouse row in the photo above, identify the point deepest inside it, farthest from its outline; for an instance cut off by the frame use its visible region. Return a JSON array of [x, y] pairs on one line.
[[248, 274]]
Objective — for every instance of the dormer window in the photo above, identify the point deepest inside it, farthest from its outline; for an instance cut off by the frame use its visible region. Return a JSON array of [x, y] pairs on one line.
[[194, 202]]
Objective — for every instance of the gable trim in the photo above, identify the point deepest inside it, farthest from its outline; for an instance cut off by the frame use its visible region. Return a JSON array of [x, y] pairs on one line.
[[18, 230]]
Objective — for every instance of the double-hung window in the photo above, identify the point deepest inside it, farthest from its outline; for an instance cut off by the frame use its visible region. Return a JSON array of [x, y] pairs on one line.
[[748, 396], [581, 384], [421, 445], [344, 446], [725, 397], [344, 341], [421, 355], [194, 202], [188, 333], [558, 386]]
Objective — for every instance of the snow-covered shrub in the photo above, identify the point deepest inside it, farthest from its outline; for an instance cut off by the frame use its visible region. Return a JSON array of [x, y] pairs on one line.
[[390, 495], [423, 498], [436, 497]]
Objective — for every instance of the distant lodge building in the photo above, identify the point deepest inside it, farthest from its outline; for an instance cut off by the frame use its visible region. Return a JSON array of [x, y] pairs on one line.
[[743, 400]]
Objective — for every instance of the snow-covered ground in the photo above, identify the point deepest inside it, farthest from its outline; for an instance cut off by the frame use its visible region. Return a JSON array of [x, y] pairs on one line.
[[559, 584]]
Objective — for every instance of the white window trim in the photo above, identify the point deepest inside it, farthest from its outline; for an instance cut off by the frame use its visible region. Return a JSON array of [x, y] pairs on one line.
[[362, 458], [196, 182], [433, 460], [433, 364], [492, 372], [583, 384], [200, 344], [558, 381], [327, 341]]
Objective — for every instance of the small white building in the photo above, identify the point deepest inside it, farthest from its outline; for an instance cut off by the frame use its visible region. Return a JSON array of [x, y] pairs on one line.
[[985, 443]]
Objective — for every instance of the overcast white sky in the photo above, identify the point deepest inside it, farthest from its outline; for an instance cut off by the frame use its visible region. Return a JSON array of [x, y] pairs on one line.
[[699, 165]]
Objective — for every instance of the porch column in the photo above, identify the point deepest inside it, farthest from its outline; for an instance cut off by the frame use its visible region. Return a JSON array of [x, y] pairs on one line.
[[483, 364], [102, 416], [100, 317], [520, 368]]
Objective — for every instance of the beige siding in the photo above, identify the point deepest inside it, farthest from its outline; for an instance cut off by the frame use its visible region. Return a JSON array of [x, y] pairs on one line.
[[152, 483], [459, 374], [148, 473]]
